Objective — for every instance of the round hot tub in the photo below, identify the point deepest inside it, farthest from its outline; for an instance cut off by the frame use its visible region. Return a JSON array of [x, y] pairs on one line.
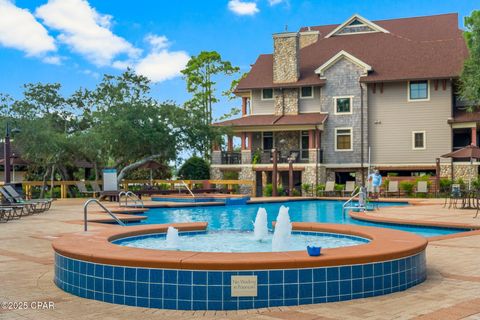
[[379, 261], [239, 241]]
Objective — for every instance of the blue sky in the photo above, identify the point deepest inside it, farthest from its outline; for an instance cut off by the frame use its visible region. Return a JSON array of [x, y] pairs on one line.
[[74, 42]]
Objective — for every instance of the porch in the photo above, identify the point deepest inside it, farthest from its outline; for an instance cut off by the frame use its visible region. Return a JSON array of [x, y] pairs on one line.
[[296, 146]]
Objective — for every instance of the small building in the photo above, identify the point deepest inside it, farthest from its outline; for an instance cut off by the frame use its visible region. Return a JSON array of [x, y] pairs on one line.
[[335, 98]]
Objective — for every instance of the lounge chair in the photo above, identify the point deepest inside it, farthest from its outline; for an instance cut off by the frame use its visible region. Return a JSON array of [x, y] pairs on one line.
[[422, 187], [28, 207], [329, 188], [96, 188], [19, 199], [349, 188], [82, 188], [392, 188]]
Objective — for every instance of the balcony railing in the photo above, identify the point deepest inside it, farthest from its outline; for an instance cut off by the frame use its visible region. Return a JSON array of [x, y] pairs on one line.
[[230, 157], [298, 156]]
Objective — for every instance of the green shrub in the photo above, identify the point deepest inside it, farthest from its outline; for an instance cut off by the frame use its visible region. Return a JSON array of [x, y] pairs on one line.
[[320, 189], [296, 193], [407, 187], [195, 168], [267, 191], [476, 183], [339, 187], [392, 174], [462, 183], [445, 184], [307, 188], [256, 157]]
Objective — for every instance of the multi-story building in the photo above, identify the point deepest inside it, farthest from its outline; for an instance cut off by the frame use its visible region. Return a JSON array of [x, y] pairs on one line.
[[336, 98]]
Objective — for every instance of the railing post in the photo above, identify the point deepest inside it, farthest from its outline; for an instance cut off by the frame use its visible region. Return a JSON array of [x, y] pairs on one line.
[[63, 191]]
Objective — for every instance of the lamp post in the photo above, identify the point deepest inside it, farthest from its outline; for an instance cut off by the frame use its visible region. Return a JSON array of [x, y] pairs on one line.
[[7, 153]]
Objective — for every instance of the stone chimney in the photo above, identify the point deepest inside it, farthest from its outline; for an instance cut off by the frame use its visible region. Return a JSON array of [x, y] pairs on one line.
[[286, 57], [308, 37]]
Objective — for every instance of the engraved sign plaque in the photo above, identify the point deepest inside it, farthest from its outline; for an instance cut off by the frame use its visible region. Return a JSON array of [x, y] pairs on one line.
[[244, 286]]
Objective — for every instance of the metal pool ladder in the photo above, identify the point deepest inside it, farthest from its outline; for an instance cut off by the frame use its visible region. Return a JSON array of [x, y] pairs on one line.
[[129, 195], [85, 211], [348, 204]]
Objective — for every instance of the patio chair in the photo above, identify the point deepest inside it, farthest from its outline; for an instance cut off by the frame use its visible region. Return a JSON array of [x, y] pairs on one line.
[[82, 188], [453, 197], [422, 188], [349, 188], [329, 188], [392, 188], [19, 199]]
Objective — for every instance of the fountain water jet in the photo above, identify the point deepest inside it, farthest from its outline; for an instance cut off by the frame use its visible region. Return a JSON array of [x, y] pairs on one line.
[[283, 230], [173, 240], [260, 227]]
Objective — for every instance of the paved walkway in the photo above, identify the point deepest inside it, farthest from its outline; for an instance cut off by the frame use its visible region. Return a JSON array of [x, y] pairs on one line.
[[452, 290]]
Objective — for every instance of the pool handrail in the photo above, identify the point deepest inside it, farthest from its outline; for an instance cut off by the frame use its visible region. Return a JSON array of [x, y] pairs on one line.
[[190, 191], [129, 195], [85, 211]]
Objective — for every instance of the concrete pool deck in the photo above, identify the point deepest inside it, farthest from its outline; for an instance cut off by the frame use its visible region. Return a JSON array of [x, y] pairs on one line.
[[450, 292]]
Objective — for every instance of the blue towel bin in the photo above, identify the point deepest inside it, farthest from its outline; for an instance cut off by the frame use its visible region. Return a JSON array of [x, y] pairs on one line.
[[313, 251]]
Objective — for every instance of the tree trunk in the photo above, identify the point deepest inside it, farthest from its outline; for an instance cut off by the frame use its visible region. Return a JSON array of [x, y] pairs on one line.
[[52, 176], [44, 182], [135, 165]]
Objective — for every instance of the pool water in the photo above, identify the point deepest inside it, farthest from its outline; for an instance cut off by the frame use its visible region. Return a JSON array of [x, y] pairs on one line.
[[240, 241], [241, 217]]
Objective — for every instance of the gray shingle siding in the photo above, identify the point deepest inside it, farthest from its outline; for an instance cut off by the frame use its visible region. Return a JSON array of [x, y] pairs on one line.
[[343, 80]]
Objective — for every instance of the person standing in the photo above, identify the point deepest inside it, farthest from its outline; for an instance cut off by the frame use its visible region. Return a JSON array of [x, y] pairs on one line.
[[376, 183]]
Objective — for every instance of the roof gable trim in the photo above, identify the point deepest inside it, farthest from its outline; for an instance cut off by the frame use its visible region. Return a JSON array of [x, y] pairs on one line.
[[356, 17], [341, 55]]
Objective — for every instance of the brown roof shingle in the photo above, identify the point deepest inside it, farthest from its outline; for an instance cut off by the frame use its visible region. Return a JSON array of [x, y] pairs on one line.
[[416, 48], [271, 119]]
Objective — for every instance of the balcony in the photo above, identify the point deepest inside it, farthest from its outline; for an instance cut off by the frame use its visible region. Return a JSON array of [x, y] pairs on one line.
[[231, 157]]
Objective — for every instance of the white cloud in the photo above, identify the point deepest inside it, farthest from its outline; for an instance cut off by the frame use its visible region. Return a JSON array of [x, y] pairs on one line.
[[274, 2], [53, 60], [85, 30], [20, 30], [159, 64], [243, 8]]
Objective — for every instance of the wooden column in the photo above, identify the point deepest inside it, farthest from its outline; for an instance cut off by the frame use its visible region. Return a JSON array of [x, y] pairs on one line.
[[250, 138], [244, 106], [311, 139], [274, 172], [244, 138], [290, 177], [474, 136], [229, 143]]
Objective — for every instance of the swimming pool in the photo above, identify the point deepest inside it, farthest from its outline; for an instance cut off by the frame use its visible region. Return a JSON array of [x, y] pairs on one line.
[[240, 217]]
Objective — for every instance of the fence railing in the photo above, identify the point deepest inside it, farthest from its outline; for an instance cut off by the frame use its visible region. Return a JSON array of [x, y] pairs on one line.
[[127, 185]]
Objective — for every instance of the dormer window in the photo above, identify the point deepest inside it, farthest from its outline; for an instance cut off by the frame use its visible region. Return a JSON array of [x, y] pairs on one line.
[[267, 94], [356, 24]]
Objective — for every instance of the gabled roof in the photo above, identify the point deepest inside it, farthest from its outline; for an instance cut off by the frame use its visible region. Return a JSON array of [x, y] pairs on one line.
[[355, 20], [342, 55], [430, 47]]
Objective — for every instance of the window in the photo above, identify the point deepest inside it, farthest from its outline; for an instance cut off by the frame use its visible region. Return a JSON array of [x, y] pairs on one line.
[[267, 94], [268, 141], [418, 140], [304, 142], [418, 90], [343, 139], [343, 105], [306, 92]]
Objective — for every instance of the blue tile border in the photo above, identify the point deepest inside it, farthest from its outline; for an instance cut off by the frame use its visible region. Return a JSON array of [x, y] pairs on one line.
[[210, 290]]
